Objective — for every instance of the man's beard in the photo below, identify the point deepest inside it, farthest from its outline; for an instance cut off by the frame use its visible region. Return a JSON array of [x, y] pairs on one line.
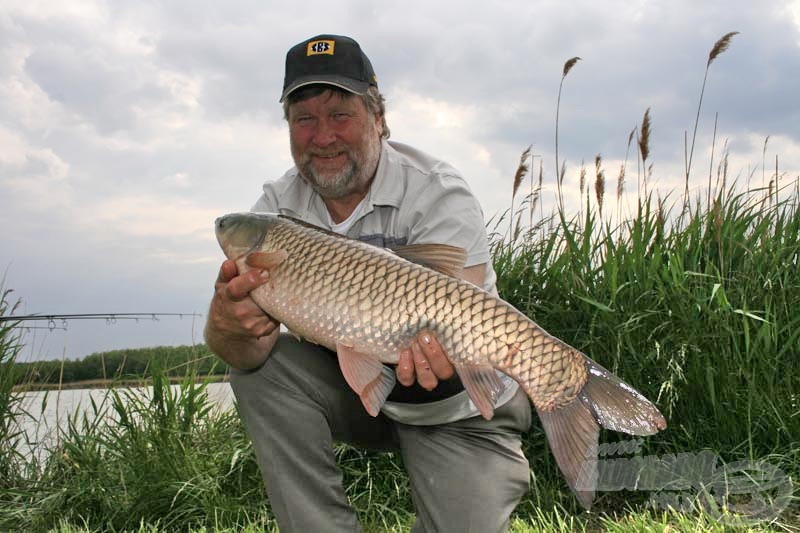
[[358, 170]]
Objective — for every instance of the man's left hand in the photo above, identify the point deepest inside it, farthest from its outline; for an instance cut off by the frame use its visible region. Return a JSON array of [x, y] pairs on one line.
[[424, 362]]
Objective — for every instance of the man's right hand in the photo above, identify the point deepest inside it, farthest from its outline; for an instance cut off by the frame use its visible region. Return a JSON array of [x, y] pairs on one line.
[[237, 329]]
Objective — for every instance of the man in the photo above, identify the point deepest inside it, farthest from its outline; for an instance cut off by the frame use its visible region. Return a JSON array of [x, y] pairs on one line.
[[466, 473]]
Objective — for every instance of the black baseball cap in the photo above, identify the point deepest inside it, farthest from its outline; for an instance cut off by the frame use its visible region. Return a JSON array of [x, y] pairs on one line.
[[329, 59]]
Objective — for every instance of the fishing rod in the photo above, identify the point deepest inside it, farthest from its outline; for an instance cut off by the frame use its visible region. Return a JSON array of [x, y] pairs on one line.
[[110, 318]]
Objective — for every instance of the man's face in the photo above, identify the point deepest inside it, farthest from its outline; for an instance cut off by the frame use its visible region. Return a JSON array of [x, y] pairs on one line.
[[335, 143]]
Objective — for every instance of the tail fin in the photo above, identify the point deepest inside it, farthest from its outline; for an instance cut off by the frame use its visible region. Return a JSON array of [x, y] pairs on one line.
[[618, 406], [573, 429]]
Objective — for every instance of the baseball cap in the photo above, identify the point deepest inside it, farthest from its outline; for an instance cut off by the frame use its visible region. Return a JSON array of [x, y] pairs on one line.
[[329, 59]]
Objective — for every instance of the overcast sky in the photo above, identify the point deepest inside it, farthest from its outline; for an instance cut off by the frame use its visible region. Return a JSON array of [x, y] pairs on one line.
[[126, 128]]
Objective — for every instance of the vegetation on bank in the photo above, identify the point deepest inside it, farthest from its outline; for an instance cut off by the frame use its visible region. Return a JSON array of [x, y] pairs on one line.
[[127, 365], [698, 311], [695, 304]]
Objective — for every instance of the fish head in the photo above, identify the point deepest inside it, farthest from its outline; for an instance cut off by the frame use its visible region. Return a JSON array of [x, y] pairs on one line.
[[239, 234]]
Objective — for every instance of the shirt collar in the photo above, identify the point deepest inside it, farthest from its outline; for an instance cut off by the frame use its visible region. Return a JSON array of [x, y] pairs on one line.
[[387, 187]]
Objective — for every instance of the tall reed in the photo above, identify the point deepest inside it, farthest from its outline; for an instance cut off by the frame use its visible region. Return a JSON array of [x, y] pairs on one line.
[[560, 173], [719, 47]]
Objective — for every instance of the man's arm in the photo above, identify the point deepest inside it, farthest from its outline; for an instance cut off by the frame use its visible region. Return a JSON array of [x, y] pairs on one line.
[[425, 361], [237, 330]]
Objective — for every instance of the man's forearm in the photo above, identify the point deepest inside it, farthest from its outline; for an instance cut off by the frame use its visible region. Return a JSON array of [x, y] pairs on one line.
[[241, 352]]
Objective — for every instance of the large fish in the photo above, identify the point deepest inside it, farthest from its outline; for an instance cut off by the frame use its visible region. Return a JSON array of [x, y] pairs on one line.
[[368, 304]]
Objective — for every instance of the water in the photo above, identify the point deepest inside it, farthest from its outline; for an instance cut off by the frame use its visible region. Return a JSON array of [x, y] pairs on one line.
[[50, 410]]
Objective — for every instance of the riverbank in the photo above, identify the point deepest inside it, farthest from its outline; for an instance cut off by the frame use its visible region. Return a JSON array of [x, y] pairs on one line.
[[112, 383]]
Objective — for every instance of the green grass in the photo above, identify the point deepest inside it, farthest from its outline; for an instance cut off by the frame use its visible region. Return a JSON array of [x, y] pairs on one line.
[[698, 310]]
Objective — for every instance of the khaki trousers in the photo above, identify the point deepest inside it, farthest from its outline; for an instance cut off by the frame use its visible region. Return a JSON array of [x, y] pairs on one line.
[[466, 476]]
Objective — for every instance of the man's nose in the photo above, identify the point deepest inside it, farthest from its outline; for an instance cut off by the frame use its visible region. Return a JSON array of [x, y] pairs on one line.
[[324, 134]]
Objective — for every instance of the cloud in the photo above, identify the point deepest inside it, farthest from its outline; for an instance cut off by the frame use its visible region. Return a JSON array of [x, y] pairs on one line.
[[31, 175]]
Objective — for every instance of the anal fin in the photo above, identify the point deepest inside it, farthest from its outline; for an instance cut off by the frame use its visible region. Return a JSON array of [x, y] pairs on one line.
[[374, 395]]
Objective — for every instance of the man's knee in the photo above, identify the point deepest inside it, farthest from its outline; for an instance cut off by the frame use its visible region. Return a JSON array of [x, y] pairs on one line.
[[291, 363]]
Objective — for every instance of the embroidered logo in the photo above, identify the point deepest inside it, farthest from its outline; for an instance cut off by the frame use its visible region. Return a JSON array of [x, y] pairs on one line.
[[320, 47]]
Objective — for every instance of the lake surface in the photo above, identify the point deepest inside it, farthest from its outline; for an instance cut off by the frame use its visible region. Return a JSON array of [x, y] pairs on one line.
[[50, 410]]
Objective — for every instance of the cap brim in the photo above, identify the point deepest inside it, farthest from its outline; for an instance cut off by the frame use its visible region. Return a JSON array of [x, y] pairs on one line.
[[353, 86]]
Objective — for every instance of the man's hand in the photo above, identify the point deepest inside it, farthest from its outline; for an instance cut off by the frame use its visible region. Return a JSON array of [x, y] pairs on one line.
[[236, 326], [424, 362], [232, 310]]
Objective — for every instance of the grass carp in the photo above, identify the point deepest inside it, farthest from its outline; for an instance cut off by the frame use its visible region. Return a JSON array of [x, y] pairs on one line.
[[368, 304]]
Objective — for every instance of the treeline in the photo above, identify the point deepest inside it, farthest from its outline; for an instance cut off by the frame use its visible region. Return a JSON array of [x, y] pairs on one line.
[[121, 364]]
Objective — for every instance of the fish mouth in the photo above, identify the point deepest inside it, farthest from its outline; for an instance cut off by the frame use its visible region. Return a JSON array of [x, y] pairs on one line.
[[239, 234]]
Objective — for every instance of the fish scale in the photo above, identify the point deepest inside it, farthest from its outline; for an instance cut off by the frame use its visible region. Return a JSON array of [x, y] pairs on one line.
[[368, 304], [485, 325]]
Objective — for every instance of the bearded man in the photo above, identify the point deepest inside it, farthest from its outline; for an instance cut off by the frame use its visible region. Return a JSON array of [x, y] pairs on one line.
[[466, 473]]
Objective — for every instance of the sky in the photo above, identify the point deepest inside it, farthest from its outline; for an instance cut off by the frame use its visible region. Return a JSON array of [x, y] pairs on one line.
[[126, 128]]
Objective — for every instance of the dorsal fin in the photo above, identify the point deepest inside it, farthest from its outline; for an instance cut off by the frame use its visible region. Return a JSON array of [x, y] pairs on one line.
[[442, 258]]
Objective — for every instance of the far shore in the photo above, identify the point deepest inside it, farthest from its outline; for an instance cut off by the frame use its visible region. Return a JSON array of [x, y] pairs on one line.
[[110, 383]]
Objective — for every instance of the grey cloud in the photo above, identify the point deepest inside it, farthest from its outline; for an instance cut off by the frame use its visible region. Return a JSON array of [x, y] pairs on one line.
[[101, 92], [502, 59]]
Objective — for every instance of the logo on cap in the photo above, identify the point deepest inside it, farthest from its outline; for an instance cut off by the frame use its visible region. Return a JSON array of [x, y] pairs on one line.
[[320, 47]]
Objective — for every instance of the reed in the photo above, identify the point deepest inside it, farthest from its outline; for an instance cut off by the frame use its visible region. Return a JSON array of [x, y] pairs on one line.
[[644, 144], [11, 409], [719, 47], [560, 173]]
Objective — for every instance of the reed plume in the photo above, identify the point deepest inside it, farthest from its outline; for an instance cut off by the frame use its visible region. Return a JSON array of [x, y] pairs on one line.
[[522, 170], [599, 183], [568, 65], [535, 192], [519, 175], [582, 184], [720, 46], [644, 143]]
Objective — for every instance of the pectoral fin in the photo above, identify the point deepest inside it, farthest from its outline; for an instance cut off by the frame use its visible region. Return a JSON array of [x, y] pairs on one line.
[[266, 260], [483, 385]]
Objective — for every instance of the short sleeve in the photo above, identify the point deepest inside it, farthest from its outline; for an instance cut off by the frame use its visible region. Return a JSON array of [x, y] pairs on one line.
[[447, 212], [268, 202]]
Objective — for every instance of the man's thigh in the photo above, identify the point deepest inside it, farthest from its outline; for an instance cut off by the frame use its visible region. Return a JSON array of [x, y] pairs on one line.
[[468, 475], [294, 407], [301, 376]]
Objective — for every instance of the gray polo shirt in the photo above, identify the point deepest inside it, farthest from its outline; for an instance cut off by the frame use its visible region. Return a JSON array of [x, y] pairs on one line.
[[414, 199]]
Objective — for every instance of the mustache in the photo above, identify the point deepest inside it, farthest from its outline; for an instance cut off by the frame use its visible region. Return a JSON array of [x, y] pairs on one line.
[[327, 152]]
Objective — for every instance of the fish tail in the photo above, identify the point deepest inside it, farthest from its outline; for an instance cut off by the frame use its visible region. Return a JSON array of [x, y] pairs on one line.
[[572, 429]]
